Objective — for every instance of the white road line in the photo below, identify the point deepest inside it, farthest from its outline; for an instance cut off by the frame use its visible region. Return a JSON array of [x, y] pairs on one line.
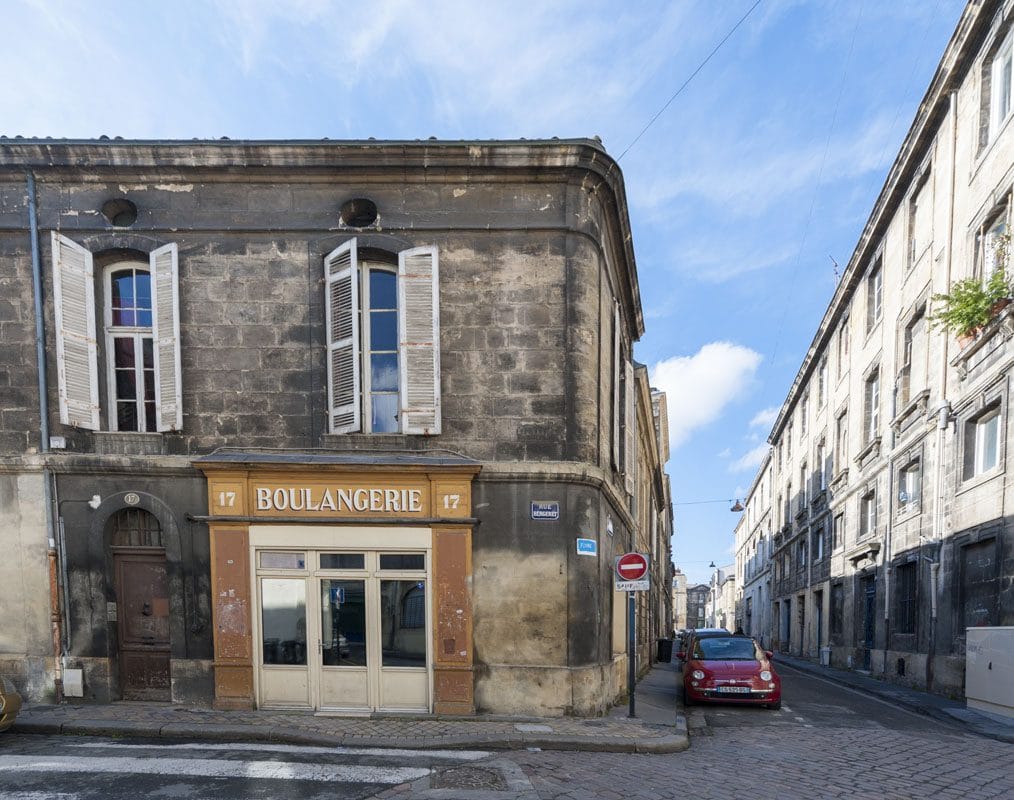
[[213, 768], [800, 719], [459, 755], [864, 695], [786, 709]]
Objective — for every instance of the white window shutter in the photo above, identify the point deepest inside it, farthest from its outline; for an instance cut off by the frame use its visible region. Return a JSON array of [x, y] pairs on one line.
[[419, 340], [629, 428], [76, 352], [616, 386], [165, 334], [341, 308]]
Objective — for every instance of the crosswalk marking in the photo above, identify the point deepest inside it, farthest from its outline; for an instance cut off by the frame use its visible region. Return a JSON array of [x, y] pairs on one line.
[[458, 755], [214, 768]]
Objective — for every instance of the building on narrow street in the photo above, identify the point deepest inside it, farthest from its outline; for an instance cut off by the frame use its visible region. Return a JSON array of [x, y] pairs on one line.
[[753, 546], [698, 599], [348, 426], [892, 535], [679, 599]]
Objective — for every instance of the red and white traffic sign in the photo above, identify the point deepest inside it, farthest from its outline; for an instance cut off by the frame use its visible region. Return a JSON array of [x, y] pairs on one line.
[[632, 567]]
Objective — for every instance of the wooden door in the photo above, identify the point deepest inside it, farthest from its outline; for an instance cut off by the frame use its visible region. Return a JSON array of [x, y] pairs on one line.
[[142, 600]]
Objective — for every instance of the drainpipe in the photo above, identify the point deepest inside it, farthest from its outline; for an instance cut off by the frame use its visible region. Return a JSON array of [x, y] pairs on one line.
[[943, 406], [40, 362]]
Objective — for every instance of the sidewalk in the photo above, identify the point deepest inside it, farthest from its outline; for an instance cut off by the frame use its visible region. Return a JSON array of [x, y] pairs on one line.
[[657, 729], [942, 708]]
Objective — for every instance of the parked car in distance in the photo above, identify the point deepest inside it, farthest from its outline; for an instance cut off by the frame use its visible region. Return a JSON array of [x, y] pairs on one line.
[[699, 633], [730, 669], [10, 704]]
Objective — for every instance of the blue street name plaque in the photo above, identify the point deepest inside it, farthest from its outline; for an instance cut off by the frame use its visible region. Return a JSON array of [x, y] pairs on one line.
[[545, 509]]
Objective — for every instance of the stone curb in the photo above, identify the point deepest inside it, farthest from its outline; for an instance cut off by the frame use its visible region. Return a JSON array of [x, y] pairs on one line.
[[673, 743]]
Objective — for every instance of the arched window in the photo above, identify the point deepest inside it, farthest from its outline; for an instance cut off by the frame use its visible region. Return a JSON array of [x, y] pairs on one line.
[[130, 357], [135, 527]]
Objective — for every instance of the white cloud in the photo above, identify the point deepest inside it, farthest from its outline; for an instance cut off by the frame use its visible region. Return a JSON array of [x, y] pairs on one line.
[[750, 460], [699, 387], [725, 453], [765, 418]]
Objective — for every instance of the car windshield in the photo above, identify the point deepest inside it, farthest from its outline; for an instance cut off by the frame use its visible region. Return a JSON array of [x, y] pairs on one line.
[[725, 649]]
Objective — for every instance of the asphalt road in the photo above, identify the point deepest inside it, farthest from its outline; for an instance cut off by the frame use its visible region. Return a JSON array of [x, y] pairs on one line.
[[92, 768]]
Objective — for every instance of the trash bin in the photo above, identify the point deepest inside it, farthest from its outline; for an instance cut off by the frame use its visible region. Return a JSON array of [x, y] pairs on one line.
[[665, 650]]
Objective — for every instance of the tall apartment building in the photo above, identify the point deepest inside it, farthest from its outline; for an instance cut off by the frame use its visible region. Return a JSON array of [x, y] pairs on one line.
[[892, 493], [753, 557], [319, 424]]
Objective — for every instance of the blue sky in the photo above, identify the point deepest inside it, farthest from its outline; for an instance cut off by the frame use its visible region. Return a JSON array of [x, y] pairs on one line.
[[758, 174]]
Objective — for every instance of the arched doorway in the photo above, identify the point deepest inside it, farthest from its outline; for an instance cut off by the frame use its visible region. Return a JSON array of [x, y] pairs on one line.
[[142, 601]]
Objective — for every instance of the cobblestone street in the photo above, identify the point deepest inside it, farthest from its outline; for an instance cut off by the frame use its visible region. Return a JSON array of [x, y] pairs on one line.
[[826, 742]]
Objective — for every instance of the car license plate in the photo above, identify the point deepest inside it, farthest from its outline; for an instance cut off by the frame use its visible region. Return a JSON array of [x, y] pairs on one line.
[[734, 689]]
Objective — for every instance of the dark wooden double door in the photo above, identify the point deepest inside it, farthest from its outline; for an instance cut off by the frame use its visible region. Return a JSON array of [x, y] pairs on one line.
[[142, 602]]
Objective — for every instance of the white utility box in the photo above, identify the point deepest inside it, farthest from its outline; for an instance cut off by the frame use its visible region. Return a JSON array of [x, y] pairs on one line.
[[73, 683], [989, 670]]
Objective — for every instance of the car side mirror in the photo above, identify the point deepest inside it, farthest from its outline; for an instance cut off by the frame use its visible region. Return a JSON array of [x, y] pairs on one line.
[[769, 654], [681, 655]]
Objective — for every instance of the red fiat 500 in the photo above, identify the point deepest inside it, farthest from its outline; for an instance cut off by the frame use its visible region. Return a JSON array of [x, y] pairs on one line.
[[732, 669]]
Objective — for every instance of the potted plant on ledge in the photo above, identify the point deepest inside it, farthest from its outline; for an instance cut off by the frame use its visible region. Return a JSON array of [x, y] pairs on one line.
[[970, 304]]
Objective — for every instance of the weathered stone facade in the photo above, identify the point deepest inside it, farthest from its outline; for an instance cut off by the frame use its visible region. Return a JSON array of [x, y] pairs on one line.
[[538, 300], [890, 524]]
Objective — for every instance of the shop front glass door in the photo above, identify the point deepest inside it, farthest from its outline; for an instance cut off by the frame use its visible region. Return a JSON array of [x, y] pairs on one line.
[[366, 645]]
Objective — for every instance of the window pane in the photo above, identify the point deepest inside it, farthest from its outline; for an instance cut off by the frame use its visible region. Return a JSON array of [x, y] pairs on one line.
[[125, 384], [383, 289], [384, 372], [123, 352], [413, 561], [123, 288], [149, 385], [343, 623], [342, 561], [283, 620], [283, 560], [150, 423], [143, 319], [403, 623], [147, 353], [126, 416], [990, 434], [123, 317], [143, 287], [383, 330], [385, 413]]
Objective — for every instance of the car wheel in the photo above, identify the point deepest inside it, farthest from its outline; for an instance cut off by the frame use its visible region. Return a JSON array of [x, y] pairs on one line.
[[774, 706]]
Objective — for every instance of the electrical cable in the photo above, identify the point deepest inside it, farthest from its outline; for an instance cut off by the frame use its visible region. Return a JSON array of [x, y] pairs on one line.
[[687, 81]]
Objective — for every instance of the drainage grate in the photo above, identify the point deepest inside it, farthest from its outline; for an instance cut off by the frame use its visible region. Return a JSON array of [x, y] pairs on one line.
[[469, 778]]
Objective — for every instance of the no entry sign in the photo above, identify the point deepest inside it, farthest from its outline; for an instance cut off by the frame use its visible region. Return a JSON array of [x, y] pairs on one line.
[[632, 567]]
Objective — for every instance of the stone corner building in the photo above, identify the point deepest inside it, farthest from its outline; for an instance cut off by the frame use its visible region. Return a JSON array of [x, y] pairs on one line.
[[318, 424], [879, 532]]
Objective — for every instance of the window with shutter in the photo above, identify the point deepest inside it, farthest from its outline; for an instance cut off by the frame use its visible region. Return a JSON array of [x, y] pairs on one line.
[[165, 304], [419, 339], [76, 349], [383, 336], [341, 308], [140, 309]]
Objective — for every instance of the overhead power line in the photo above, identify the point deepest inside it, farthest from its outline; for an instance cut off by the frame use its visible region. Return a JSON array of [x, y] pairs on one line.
[[692, 76]]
